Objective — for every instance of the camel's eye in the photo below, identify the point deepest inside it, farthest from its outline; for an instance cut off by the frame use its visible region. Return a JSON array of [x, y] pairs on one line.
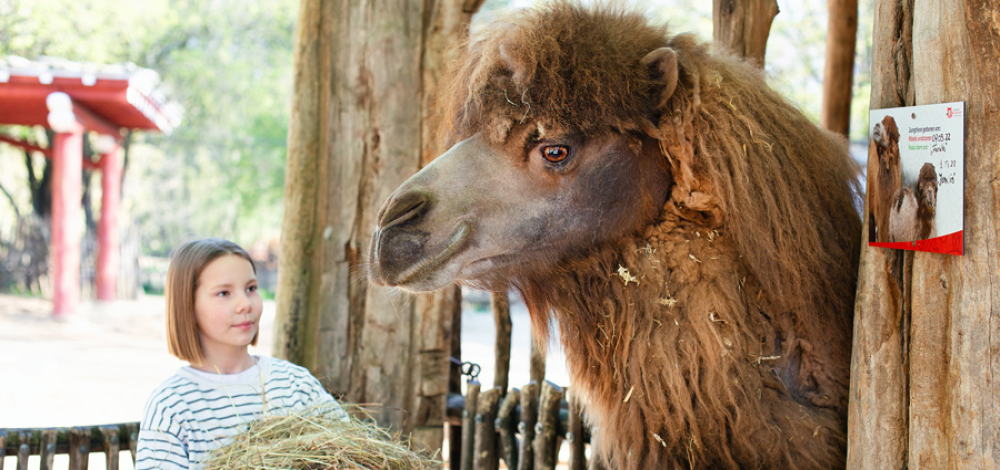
[[555, 153]]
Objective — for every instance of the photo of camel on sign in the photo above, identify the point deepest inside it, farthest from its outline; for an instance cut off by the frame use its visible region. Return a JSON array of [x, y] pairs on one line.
[[916, 175]]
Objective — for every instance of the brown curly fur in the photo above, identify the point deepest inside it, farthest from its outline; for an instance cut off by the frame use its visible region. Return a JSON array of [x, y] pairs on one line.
[[731, 349]]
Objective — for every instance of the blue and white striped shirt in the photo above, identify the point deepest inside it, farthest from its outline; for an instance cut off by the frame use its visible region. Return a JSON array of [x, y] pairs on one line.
[[194, 412]]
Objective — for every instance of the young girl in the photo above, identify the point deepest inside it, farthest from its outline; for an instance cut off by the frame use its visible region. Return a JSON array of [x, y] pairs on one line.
[[213, 314]]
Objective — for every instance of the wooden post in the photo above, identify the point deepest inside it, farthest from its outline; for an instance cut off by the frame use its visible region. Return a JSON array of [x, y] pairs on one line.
[[112, 448], [376, 67], [537, 366], [469, 425], [743, 26], [506, 426], [546, 431], [925, 392], [486, 446], [23, 450], [838, 76], [133, 439], [79, 448], [47, 449], [107, 230], [574, 433], [501, 318], [529, 417]]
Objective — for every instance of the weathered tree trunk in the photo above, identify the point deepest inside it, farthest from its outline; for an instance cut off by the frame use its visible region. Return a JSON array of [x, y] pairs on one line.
[[925, 385], [743, 26], [838, 77], [360, 126]]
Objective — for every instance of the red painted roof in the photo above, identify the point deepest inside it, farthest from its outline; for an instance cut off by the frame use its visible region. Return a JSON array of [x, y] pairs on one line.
[[122, 94]]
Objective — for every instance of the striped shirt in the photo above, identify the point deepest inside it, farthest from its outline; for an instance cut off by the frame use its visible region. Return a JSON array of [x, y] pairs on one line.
[[194, 412]]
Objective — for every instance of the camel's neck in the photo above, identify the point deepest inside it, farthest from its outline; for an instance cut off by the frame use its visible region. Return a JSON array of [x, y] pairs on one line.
[[678, 312]]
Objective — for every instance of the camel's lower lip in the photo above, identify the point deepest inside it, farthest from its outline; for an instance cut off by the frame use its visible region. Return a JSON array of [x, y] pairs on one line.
[[456, 243]]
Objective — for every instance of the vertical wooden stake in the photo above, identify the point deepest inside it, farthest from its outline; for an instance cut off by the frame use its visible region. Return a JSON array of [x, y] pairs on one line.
[[79, 448], [111, 446], [574, 434], [23, 450], [547, 428], [507, 426], [485, 448], [501, 317], [468, 424], [529, 416], [47, 449]]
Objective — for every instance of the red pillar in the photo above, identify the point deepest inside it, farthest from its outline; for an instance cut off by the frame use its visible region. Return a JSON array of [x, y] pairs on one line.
[[67, 215], [107, 230]]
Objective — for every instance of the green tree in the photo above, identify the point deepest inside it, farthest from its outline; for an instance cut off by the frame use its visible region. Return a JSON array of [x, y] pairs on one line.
[[227, 62]]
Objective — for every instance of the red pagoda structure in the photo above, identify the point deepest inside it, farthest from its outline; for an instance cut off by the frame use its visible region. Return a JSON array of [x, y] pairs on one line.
[[72, 98]]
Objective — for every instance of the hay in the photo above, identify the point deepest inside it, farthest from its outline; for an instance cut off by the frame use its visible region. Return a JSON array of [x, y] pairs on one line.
[[308, 441]]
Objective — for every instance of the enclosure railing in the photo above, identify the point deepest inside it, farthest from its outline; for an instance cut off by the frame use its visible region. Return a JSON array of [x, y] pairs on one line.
[[77, 441]]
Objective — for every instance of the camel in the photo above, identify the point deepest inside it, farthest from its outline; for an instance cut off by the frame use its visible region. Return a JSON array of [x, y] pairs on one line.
[[884, 176], [692, 234], [911, 216]]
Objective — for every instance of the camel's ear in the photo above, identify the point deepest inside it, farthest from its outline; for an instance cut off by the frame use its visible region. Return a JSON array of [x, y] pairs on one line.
[[518, 74], [663, 68]]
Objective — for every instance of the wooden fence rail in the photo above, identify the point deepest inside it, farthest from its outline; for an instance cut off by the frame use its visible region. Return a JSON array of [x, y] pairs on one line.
[[78, 442]]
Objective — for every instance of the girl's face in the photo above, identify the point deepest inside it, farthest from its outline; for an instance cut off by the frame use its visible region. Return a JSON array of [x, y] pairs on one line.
[[227, 305]]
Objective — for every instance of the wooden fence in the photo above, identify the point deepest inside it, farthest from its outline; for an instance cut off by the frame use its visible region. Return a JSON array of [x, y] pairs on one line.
[[524, 428], [78, 442]]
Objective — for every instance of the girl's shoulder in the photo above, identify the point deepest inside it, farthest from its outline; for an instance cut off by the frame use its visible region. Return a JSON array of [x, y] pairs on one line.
[[281, 367], [164, 399]]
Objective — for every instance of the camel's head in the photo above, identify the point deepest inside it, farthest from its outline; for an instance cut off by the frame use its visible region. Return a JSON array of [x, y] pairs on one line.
[[548, 111], [886, 135], [927, 186], [484, 212]]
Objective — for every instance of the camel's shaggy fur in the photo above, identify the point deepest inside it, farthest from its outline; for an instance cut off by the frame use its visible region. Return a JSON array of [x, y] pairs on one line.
[[720, 336], [912, 214], [884, 176]]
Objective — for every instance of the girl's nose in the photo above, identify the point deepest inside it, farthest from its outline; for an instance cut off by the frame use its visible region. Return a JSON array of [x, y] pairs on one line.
[[245, 305]]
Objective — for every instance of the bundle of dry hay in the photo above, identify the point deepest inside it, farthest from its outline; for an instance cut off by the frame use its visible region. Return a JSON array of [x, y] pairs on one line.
[[308, 441]]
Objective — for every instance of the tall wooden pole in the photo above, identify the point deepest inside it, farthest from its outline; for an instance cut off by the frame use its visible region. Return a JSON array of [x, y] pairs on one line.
[[838, 77], [360, 125], [925, 385], [743, 26]]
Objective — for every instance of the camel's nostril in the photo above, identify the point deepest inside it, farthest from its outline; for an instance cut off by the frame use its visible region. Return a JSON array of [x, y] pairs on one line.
[[404, 208]]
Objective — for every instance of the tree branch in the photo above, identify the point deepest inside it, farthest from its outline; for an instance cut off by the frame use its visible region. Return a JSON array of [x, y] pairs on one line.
[[11, 199]]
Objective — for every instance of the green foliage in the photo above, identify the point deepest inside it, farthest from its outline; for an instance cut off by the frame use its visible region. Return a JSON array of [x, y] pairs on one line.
[[227, 62]]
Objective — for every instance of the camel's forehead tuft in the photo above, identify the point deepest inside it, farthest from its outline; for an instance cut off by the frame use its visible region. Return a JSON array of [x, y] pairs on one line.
[[576, 67]]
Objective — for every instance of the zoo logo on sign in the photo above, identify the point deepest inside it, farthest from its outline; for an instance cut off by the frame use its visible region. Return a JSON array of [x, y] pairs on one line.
[[953, 112]]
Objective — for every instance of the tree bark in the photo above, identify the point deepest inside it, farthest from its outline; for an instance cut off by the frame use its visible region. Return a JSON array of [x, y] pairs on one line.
[[743, 26], [360, 125], [838, 77], [925, 388]]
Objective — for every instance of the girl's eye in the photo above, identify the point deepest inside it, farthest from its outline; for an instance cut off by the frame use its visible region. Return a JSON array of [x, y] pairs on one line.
[[555, 153], [222, 293], [252, 289]]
